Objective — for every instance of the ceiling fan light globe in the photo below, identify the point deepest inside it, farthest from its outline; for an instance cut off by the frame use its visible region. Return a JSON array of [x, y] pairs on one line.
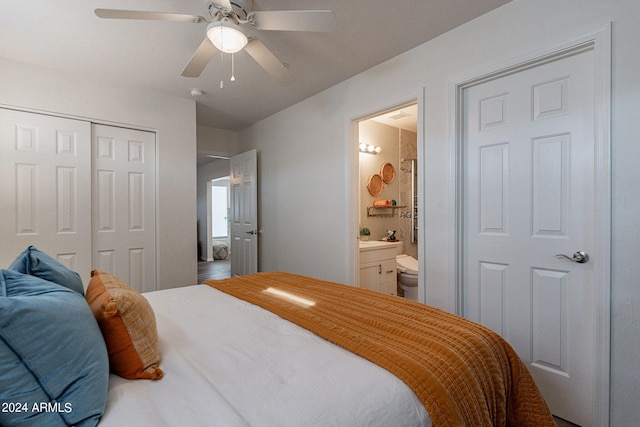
[[226, 37]]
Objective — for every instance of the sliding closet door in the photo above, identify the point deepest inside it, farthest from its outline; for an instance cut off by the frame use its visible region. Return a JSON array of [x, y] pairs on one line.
[[45, 190], [124, 201]]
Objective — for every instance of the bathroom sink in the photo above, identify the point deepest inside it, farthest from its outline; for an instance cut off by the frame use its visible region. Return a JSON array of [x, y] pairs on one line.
[[374, 244]]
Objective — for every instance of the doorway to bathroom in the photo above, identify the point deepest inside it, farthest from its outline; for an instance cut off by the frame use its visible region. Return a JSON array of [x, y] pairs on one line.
[[388, 202]]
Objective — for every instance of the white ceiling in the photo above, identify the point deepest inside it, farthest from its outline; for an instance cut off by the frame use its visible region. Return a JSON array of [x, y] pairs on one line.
[[402, 118], [66, 35]]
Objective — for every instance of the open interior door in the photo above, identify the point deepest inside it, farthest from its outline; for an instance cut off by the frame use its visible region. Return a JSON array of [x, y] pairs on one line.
[[244, 213]]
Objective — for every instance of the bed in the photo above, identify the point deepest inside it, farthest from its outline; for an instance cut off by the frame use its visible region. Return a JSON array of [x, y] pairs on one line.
[[277, 349], [230, 363], [241, 349]]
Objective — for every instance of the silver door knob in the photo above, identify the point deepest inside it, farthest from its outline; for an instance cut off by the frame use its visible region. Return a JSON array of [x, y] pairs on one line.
[[579, 257], [252, 232]]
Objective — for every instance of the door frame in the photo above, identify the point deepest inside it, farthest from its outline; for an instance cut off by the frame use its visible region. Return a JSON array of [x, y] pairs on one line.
[[209, 222], [599, 41], [353, 195]]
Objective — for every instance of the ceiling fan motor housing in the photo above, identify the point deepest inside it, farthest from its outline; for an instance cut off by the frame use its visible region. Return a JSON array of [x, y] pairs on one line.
[[241, 8]]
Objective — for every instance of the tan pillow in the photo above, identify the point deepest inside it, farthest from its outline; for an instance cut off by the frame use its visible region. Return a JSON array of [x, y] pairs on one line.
[[128, 326]]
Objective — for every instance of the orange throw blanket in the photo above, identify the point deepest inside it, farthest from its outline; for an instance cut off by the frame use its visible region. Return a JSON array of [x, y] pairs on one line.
[[464, 374]]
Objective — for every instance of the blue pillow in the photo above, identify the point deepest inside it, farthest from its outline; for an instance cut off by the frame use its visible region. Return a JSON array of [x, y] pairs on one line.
[[37, 263], [54, 368]]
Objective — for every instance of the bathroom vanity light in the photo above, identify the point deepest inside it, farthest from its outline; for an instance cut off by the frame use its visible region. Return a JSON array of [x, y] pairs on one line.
[[369, 148]]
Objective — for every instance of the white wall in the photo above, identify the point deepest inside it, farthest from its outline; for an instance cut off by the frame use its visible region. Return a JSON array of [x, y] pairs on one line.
[[30, 87], [219, 142], [305, 158], [388, 138], [302, 169]]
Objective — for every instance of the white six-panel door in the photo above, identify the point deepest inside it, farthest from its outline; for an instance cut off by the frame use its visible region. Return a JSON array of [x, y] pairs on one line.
[[244, 213], [45, 188], [528, 196], [83, 193], [124, 205]]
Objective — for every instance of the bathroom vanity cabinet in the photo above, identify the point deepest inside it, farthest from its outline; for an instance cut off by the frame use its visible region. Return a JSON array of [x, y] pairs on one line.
[[378, 270]]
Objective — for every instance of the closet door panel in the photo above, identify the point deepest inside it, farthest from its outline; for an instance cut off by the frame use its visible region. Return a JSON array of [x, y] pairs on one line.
[[124, 205], [45, 191]]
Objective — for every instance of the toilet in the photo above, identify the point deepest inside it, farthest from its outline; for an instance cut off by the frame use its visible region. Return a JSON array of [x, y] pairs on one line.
[[408, 276]]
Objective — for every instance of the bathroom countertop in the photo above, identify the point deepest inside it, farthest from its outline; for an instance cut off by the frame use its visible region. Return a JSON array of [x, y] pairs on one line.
[[370, 245]]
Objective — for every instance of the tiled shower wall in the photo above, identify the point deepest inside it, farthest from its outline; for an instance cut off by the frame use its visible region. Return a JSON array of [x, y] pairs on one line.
[[408, 151]]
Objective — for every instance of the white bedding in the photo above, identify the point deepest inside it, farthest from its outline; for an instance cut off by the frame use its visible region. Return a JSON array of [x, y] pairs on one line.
[[231, 363]]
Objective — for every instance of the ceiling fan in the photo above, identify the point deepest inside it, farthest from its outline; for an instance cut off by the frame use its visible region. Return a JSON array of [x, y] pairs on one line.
[[224, 31]]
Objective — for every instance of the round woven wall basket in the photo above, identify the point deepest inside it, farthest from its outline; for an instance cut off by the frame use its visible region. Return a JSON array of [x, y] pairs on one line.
[[375, 185], [388, 173]]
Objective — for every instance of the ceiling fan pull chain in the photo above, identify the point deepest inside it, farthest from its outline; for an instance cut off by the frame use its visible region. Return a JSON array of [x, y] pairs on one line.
[[221, 67], [233, 71]]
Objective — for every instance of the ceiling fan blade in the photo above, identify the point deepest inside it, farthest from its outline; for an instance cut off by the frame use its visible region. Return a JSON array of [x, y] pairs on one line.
[[200, 59], [295, 20], [148, 16], [269, 62]]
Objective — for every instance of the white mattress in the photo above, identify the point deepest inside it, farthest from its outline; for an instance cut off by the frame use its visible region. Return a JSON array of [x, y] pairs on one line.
[[231, 363]]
